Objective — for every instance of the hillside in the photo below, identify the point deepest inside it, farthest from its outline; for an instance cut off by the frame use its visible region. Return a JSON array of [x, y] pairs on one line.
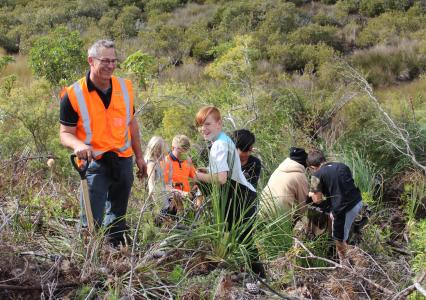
[[347, 77]]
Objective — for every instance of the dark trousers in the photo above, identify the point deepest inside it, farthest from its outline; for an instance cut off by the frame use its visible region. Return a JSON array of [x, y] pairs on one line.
[[240, 207], [240, 212], [112, 184]]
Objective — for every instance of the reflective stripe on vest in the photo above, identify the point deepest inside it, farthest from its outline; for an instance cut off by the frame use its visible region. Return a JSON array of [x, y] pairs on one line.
[[84, 112], [86, 117], [126, 97]]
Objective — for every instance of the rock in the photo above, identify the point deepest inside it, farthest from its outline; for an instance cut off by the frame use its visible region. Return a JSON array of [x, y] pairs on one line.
[[253, 288], [159, 254]]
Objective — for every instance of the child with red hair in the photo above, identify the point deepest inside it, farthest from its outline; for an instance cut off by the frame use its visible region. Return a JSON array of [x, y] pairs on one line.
[[225, 170]]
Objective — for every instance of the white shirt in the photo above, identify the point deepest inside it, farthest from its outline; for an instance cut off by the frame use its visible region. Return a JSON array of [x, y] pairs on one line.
[[223, 155]]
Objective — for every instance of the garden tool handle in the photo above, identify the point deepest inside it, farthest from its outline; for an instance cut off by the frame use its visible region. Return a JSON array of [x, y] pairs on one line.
[[81, 168]]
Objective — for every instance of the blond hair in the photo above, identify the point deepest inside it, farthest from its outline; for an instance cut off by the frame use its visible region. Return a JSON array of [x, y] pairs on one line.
[[155, 149], [181, 141]]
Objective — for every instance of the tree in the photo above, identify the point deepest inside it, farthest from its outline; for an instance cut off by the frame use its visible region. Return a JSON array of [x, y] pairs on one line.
[[125, 25], [142, 65], [27, 119], [236, 63], [58, 56]]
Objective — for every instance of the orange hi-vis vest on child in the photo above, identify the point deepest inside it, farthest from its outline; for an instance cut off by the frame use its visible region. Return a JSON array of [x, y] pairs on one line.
[[177, 173], [104, 129]]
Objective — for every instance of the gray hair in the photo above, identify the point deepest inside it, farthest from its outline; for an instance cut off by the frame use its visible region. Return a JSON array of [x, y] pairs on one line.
[[98, 45]]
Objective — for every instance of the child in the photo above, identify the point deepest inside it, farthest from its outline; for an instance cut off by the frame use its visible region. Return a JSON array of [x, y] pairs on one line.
[[250, 165], [178, 168], [225, 170], [154, 156], [334, 181]]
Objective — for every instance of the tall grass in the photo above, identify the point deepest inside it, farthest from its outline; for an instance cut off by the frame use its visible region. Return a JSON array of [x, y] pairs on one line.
[[274, 234], [414, 193], [387, 64], [231, 244], [365, 174]]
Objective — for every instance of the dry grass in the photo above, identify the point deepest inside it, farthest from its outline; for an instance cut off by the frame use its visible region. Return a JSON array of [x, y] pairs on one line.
[[188, 72], [21, 69], [191, 13], [391, 63]]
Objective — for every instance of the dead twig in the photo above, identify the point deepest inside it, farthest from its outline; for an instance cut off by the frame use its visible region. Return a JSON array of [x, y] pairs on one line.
[[410, 289], [135, 236], [37, 287], [340, 266], [400, 133]]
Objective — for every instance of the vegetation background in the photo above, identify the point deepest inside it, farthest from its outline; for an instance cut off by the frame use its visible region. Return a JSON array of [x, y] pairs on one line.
[[344, 76]]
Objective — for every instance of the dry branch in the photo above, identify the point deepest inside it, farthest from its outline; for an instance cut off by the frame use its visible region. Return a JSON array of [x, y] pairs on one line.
[[37, 287], [343, 267], [400, 133], [410, 289]]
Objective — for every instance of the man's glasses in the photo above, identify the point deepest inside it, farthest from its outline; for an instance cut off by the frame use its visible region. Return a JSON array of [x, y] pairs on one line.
[[105, 61]]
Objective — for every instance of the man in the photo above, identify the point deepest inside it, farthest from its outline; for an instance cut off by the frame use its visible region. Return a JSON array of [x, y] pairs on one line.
[[250, 165], [96, 116], [334, 181], [287, 187]]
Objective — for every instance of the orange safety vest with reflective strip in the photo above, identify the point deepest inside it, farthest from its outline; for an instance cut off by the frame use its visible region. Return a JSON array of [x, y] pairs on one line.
[[178, 175], [104, 129]]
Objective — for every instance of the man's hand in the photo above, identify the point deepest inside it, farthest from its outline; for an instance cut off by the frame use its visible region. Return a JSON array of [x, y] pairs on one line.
[[83, 152], [70, 140], [141, 173]]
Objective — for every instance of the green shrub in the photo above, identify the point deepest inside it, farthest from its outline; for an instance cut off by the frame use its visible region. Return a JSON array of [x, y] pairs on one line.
[[299, 2], [235, 64], [107, 21], [161, 6], [374, 238], [389, 27], [278, 21], [372, 8], [198, 36], [314, 34], [142, 66], [237, 17], [295, 57], [94, 9], [418, 245], [347, 7], [58, 56], [165, 41], [177, 119], [8, 41], [125, 26]]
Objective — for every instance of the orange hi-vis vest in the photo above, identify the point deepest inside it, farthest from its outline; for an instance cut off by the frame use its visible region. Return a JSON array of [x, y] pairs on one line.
[[104, 129], [177, 174]]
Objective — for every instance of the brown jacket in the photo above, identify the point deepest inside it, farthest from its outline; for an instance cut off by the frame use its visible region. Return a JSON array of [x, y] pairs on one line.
[[287, 187]]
